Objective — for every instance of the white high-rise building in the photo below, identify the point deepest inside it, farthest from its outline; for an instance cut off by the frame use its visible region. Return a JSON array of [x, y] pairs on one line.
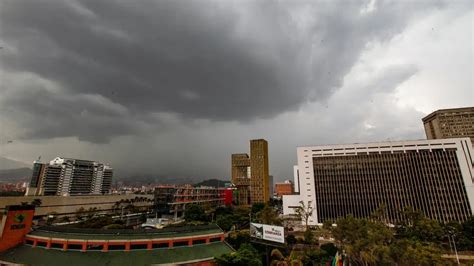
[[66, 176], [433, 176]]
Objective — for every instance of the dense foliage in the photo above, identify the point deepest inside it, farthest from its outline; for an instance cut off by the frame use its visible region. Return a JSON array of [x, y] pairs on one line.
[[194, 212], [245, 255], [415, 240]]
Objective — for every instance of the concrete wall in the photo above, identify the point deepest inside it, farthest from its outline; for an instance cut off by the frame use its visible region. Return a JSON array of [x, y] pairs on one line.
[[62, 205]]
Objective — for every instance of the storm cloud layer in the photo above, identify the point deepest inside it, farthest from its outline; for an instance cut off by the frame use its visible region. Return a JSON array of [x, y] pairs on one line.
[[100, 70], [117, 66]]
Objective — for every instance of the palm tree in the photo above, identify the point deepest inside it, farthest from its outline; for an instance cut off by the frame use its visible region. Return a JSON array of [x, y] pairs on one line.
[[304, 212]]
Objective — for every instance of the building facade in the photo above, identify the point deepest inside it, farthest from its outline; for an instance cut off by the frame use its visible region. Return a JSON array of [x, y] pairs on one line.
[[241, 178], [250, 174], [65, 176], [172, 200], [450, 123], [259, 180], [434, 176], [285, 188]]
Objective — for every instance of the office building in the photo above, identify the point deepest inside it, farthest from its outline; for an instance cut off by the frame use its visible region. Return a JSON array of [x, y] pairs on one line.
[[285, 188], [450, 123], [65, 176], [259, 179], [270, 186], [434, 176], [36, 178], [250, 174]]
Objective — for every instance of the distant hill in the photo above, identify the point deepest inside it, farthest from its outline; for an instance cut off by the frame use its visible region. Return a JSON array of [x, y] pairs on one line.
[[212, 183], [6, 163], [15, 175], [143, 180]]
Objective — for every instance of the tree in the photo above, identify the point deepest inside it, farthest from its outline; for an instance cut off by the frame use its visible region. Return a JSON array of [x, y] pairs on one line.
[[329, 248], [364, 241], [245, 255], [194, 212], [327, 225], [304, 212], [291, 240], [268, 215], [293, 259], [309, 237], [238, 238], [374, 243], [256, 207], [412, 252], [466, 241], [225, 222], [416, 226], [315, 257]]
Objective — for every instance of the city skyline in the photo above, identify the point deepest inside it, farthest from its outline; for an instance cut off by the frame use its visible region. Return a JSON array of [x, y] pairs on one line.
[[134, 93]]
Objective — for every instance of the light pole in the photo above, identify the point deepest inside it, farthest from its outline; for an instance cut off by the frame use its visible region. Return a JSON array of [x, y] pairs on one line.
[[451, 234]]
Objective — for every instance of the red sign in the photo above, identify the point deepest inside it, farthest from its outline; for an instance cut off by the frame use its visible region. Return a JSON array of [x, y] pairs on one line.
[[16, 224]]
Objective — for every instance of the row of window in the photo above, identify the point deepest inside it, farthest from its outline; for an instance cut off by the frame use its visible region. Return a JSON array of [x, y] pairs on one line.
[[111, 246]]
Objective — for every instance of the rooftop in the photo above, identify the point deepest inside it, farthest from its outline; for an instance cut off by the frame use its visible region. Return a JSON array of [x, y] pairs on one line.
[[110, 234], [451, 110], [40, 256]]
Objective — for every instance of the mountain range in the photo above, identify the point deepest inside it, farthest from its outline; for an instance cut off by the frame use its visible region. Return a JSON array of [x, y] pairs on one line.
[[6, 163], [12, 171]]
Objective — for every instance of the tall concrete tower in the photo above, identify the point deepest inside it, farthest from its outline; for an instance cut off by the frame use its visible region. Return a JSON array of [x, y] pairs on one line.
[[241, 178], [259, 180]]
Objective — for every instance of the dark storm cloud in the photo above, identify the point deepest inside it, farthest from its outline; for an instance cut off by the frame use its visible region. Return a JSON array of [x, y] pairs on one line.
[[118, 65]]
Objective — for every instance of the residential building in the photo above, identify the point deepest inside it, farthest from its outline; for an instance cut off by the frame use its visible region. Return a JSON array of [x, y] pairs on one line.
[[36, 178], [433, 176], [285, 188], [450, 123], [65, 176]]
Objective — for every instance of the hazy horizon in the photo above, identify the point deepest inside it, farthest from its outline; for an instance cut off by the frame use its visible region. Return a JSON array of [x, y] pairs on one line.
[[171, 88]]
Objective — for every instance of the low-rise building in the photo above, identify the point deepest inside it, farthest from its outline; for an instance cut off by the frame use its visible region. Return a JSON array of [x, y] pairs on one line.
[[285, 188], [172, 200]]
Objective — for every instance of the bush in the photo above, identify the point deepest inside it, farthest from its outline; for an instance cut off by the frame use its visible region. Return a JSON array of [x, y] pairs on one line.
[[291, 240], [194, 212], [329, 248]]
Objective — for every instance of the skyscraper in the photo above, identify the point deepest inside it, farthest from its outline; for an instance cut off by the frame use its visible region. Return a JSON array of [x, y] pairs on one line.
[[259, 187], [36, 178], [65, 176], [241, 177], [433, 176], [450, 123], [250, 174]]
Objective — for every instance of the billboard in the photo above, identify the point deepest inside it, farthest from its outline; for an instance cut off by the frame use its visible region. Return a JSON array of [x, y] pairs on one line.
[[267, 232]]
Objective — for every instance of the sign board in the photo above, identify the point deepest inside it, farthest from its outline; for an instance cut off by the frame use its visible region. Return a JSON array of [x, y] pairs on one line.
[[267, 232]]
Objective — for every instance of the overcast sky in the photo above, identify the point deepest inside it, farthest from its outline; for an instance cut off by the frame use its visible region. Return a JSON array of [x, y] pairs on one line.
[[172, 88]]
